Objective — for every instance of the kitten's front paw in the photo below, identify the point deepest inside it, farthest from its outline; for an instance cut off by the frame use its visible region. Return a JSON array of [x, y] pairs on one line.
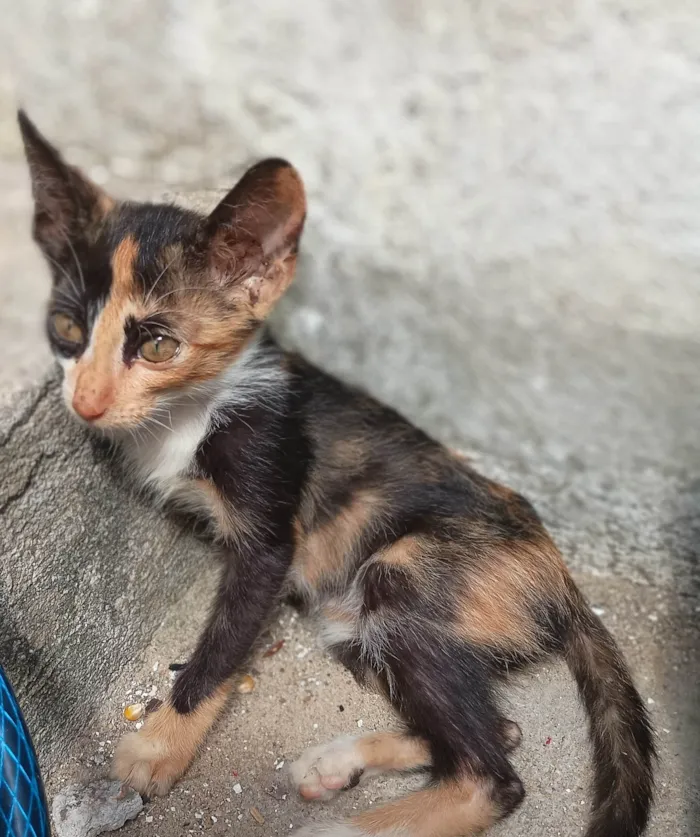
[[153, 759]]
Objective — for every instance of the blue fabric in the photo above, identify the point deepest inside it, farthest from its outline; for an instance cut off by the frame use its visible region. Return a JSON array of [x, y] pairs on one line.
[[23, 811]]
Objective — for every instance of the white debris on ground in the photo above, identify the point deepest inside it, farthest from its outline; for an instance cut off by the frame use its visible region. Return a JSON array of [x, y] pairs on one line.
[[89, 810]]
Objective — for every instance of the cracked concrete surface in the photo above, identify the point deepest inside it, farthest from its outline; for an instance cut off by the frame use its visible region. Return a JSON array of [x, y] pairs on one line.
[[303, 698], [86, 572], [502, 242]]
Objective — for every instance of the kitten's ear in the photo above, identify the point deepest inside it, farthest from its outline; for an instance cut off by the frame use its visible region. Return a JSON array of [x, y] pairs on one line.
[[253, 234], [67, 206]]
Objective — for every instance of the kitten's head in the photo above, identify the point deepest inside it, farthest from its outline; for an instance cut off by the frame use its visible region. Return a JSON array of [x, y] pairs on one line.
[[149, 300]]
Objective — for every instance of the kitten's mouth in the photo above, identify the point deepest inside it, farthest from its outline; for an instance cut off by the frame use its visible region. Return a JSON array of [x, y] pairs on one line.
[[98, 423]]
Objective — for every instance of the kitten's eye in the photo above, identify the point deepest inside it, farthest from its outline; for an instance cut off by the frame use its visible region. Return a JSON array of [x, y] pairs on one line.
[[67, 328], [159, 349]]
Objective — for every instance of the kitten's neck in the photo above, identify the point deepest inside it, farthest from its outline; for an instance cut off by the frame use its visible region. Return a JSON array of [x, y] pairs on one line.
[[161, 451]]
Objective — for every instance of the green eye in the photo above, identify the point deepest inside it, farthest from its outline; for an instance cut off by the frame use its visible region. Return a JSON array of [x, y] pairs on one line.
[[67, 328], [159, 349]]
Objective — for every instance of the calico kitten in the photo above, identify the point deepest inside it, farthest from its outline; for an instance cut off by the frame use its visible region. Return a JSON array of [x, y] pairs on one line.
[[428, 581]]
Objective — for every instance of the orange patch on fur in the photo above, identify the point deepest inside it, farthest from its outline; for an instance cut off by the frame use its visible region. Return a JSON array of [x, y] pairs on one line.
[[404, 553], [123, 261], [326, 551], [393, 751], [500, 590], [229, 523], [151, 760], [98, 371], [451, 809]]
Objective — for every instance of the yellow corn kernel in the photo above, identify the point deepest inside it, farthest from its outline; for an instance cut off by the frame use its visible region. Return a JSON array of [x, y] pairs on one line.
[[245, 685], [134, 711]]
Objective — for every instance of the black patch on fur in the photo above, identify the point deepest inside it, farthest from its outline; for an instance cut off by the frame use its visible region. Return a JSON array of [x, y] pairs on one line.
[[154, 226], [259, 459]]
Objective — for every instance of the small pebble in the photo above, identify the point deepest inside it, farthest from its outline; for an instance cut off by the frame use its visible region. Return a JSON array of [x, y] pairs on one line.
[[85, 811], [237, 788]]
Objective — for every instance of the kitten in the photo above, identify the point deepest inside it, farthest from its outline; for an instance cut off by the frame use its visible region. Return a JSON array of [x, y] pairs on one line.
[[428, 581]]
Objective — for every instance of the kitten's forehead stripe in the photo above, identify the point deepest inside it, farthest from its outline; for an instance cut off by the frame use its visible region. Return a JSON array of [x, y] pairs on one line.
[[103, 355], [157, 229], [123, 266]]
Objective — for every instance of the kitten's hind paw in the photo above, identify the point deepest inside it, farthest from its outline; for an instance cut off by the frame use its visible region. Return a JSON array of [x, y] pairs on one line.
[[323, 771]]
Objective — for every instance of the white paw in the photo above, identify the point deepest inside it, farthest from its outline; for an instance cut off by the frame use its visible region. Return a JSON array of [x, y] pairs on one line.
[[321, 772]]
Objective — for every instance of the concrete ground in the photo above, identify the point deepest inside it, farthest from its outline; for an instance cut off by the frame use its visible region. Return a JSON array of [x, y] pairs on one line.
[[303, 698], [502, 242]]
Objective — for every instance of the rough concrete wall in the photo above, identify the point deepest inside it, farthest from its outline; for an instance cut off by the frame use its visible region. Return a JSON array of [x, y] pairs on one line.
[[86, 569]]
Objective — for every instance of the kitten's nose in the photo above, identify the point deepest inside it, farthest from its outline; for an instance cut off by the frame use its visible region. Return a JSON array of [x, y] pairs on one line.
[[89, 404], [89, 412]]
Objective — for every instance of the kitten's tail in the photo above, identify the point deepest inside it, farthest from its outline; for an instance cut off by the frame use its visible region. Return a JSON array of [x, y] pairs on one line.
[[620, 730]]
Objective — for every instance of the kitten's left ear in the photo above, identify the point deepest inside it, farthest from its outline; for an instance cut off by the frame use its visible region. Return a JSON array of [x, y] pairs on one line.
[[253, 234], [66, 204]]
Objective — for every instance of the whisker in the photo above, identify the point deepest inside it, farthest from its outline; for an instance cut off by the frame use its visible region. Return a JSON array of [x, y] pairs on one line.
[[160, 424], [177, 290], [77, 262], [158, 278], [67, 277], [67, 294]]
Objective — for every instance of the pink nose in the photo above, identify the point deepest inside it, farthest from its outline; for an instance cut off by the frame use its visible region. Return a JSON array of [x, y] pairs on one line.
[[89, 409], [89, 412]]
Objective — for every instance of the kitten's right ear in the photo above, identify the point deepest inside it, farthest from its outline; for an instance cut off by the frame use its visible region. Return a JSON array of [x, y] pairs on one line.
[[66, 204]]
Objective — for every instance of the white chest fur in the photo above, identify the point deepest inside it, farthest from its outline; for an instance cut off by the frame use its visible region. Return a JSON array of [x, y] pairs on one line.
[[162, 455]]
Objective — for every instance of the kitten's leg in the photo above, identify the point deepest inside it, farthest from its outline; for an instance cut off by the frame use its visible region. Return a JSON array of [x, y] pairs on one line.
[[152, 759], [455, 807], [322, 771]]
